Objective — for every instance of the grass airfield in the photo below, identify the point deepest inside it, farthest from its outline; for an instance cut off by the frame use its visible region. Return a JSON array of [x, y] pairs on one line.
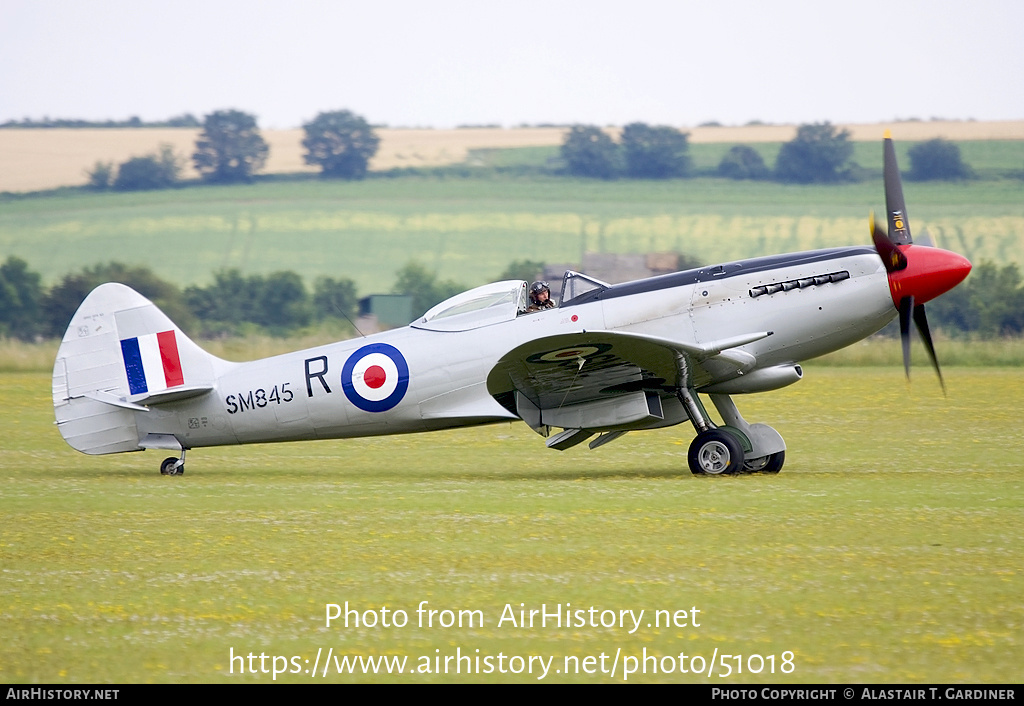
[[888, 550]]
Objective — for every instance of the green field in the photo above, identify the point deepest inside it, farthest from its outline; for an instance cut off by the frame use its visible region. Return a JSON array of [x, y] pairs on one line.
[[888, 550], [468, 228]]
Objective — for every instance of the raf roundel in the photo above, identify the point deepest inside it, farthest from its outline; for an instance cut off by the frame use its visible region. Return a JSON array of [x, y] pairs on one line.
[[571, 354], [375, 378]]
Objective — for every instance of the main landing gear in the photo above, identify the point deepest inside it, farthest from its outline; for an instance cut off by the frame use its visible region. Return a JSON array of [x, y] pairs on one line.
[[715, 452], [737, 447], [173, 466]]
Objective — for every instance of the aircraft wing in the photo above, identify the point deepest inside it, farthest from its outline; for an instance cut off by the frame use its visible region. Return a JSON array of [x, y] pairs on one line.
[[607, 379]]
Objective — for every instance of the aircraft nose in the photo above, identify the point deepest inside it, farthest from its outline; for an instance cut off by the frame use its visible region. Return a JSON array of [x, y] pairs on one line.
[[929, 273]]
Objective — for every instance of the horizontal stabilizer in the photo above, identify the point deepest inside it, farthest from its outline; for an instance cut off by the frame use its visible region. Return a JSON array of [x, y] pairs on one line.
[[172, 394], [113, 400]]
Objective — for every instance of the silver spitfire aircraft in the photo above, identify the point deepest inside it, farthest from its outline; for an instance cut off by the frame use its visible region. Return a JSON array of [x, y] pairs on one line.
[[607, 360]]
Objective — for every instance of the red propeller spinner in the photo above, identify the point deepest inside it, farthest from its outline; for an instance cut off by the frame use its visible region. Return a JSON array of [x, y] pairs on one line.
[[928, 273]]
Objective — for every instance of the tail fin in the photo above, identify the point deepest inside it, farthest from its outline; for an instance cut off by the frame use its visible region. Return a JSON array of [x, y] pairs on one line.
[[121, 352]]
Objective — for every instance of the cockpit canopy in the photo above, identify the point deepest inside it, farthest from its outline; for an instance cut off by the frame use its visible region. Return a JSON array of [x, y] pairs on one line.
[[576, 286], [501, 301], [482, 306]]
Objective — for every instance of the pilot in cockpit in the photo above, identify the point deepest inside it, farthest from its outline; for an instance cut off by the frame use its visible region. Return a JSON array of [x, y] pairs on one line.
[[540, 297]]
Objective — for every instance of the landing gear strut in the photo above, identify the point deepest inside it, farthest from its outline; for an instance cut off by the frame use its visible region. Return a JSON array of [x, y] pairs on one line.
[[173, 466], [738, 447]]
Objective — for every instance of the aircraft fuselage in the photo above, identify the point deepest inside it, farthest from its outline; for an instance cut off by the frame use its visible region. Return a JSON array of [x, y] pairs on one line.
[[813, 303]]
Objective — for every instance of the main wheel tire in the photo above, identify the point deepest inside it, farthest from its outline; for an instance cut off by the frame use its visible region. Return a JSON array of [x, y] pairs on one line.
[[772, 463], [167, 468], [715, 453]]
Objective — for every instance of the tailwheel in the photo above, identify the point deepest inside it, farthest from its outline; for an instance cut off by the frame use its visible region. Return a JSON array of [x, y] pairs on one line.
[[772, 463], [172, 467], [715, 452]]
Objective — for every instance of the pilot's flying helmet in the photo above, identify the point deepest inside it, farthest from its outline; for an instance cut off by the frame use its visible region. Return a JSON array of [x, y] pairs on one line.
[[537, 287]]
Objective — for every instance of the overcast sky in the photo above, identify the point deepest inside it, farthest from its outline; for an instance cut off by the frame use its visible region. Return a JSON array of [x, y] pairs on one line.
[[442, 63]]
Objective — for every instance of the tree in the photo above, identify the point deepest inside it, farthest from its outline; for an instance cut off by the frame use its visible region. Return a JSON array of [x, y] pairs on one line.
[[283, 302], [183, 120], [21, 293], [989, 303], [658, 152], [101, 176], [334, 298], [936, 159], [818, 153], [589, 152], [523, 269], [139, 174], [340, 143], [229, 300], [743, 162], [278, 302], [230, 148], [426, 291], [154, 171]]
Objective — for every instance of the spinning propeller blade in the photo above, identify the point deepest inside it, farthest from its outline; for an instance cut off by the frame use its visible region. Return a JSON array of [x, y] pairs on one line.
[[895, 207], [906, 311], [916, 275], [926, 336]]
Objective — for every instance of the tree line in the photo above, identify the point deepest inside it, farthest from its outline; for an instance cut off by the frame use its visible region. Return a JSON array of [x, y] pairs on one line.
[[233, 304], [988, 305], [279, 303], [230, 149], [183, 120], [820, 153]]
